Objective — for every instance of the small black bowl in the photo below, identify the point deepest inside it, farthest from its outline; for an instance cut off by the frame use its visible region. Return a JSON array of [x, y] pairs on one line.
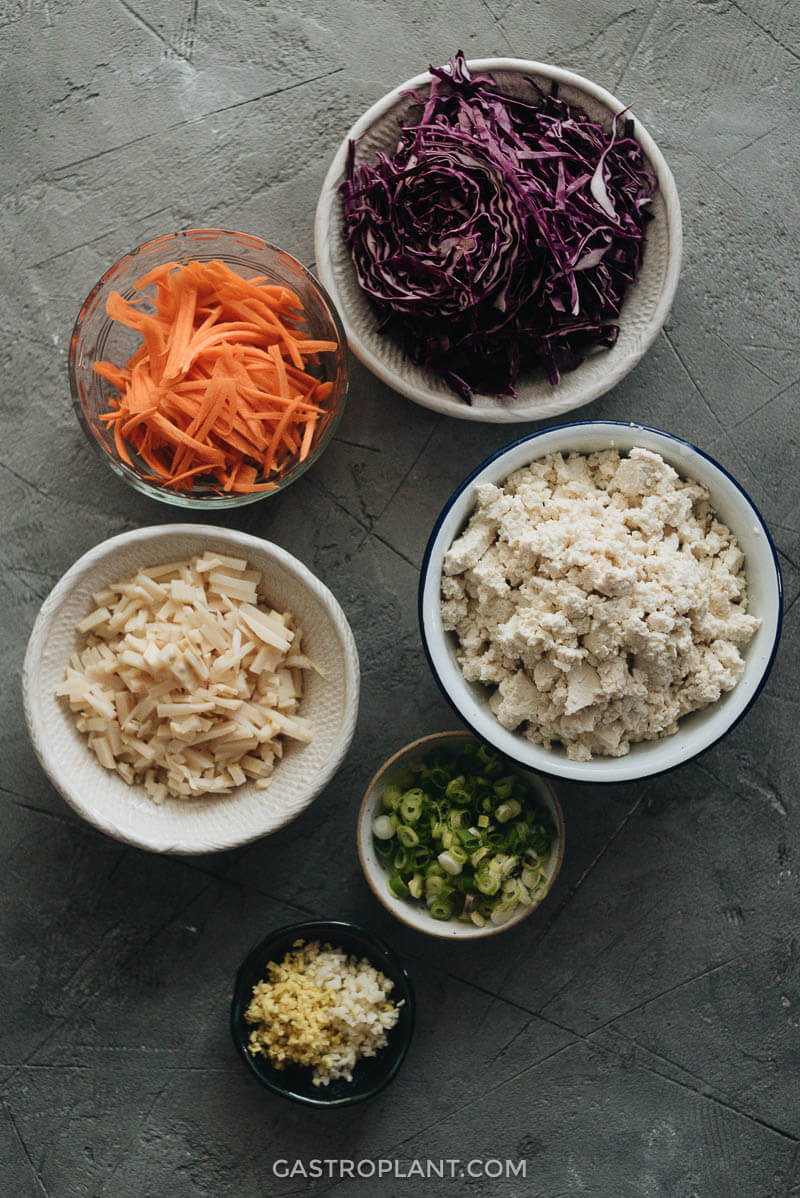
[[370, 1074]]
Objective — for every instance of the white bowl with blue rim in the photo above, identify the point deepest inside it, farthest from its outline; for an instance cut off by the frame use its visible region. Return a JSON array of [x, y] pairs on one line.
[[696, 731]]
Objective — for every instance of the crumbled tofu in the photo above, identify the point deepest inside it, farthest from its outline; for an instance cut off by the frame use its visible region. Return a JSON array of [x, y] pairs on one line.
[[188, 679], [599, 599]]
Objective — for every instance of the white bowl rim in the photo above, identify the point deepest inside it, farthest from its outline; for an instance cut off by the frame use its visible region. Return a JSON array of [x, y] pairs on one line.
[[502, 412], [452, 929], [31, 699], [538, 759]]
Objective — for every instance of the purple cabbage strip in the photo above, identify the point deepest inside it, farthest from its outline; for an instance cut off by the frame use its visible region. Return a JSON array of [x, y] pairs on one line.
[[501, 234]]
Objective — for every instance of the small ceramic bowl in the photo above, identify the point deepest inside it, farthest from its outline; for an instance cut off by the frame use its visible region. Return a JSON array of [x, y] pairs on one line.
[[98, 338], [644, 308], [416, 914], [696, 731], [370, 1074], [208, 823]]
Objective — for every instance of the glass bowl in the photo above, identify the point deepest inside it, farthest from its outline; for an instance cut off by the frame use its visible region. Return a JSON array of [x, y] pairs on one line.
[[96, 337], [370, 1074]]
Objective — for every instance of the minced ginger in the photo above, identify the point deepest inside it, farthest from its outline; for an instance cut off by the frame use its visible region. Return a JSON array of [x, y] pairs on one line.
[[321, 1008]]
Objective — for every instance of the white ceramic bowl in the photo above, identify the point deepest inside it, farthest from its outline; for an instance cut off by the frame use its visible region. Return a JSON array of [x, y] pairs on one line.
[[644, 309], [416, 915], [215, 822], [696, 731]]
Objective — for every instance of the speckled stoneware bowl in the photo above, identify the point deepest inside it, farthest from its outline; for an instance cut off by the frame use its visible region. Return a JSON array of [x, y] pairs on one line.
[[209, 823], [370, 1074], [696, 731], [416, 914], [645, 306]]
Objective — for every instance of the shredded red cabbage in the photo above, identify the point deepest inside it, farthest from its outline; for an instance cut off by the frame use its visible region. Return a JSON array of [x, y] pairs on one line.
[[501, 234]]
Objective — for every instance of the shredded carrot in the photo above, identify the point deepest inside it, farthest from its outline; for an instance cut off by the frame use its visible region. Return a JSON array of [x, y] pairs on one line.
[[218, 397]]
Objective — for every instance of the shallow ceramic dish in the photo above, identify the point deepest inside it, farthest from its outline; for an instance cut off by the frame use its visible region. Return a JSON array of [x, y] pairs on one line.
[[96, 337], [696, 731], [215, 822], [370, 1074], [416, 914], [644, 309]]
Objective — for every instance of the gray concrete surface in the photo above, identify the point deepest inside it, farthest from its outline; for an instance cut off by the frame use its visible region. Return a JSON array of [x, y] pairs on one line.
[[638, 1036]]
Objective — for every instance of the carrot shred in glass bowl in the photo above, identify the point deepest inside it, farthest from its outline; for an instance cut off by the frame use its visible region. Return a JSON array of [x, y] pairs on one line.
[[219, 386]]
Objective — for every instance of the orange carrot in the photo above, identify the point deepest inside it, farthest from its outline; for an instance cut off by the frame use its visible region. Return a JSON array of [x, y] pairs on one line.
[[219, 394]]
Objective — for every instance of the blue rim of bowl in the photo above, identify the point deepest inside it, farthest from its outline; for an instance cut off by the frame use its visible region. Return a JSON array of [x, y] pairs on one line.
[[598, 424], [380, 947], [211, 501]]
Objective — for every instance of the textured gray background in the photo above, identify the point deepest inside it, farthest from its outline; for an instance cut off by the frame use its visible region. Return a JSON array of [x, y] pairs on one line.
[[639, 1034]]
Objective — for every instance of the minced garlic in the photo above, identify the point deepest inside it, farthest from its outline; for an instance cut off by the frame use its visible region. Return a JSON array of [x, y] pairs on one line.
[[320, 1008]]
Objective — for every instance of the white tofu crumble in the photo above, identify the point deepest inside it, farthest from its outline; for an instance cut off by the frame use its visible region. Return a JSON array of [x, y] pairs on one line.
[[599, 599], [189, 680]]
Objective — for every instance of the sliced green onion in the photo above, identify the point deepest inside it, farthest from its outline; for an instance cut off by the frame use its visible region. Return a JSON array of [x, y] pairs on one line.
[[434, 884], [463, 835], [420, 856], [441, 909], [397, 887], [439, 776], [416, 886], [508, 810], [383, 828], [407, 836], [505, 864], [401, 859], [390, 797], [411, 805], [449, 864], [487, 881]]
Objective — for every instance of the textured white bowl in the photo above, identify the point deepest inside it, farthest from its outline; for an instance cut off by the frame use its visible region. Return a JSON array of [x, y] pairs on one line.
[[644, 309], [696, 731], [217, 822], [416, 915]]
